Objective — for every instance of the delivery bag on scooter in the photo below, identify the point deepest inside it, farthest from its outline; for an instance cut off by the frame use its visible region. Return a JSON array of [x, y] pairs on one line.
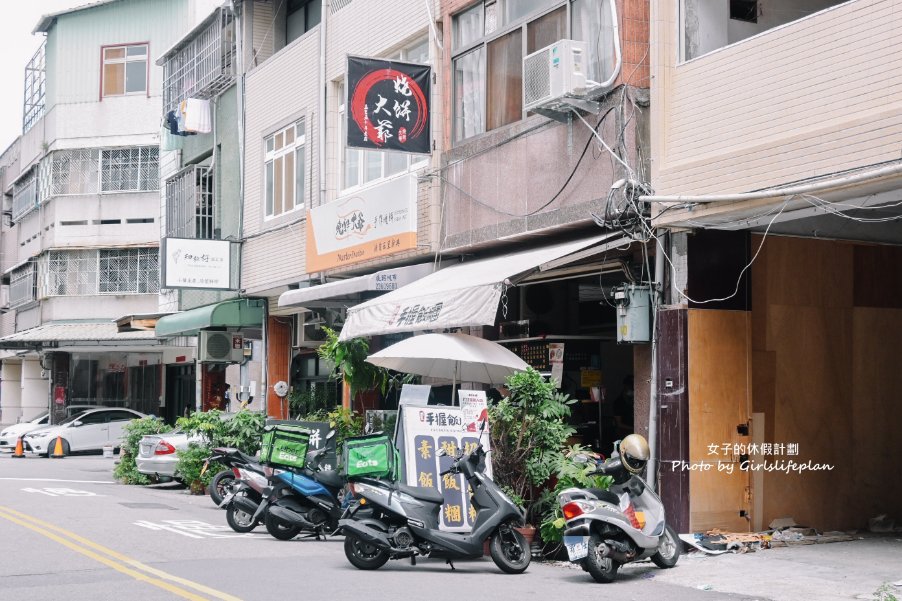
[[373, 456], [284, 446]]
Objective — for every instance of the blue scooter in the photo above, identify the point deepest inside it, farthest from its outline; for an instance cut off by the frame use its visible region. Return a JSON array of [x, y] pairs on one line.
[[306, 500]]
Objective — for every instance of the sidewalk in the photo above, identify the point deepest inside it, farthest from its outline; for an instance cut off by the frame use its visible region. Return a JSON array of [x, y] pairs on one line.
[[845, 570]]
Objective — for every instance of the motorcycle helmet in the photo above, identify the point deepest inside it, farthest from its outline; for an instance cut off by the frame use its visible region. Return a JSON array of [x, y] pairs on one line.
[[634, 453]]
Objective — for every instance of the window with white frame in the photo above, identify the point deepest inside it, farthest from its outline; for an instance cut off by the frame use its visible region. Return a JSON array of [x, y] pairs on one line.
[[23, 285], [103, 271], [490, 40], [124, 70], [365, 166], [68, 273], [92, 170], [25, 195], [129, 271], [284, 170], [134, 169]]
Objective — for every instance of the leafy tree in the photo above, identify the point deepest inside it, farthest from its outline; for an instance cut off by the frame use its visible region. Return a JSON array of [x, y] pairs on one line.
[[529, 429]]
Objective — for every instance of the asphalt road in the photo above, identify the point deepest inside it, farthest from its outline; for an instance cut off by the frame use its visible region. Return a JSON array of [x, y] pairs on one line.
[[68, 532]]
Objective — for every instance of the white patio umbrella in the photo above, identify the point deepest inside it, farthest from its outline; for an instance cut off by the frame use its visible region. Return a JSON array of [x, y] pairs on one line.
[[455, 357]]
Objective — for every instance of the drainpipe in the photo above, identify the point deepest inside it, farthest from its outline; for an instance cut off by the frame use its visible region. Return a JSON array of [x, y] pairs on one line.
[[321, 125], [243, 373], [653, 396]]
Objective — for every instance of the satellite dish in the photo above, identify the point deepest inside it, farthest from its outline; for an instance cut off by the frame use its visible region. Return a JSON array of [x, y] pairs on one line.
[[280, 388]]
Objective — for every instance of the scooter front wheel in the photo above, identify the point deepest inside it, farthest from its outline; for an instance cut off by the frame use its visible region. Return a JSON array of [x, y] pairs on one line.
[[602, 569], [363, 555], [510, 551], [668, 549]]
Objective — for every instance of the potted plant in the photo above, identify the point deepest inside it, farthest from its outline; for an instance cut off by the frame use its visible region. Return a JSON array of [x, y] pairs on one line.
[[529, 430], [569, 473]]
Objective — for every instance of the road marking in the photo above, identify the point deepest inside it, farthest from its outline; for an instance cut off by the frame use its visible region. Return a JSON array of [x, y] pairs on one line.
[[114, 559], [192, 528], [62, 492], [59, 480]]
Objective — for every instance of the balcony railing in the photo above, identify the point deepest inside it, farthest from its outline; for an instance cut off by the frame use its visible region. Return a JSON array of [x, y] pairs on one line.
[[25, 195], [34, 89], [204, 64], [190, 204]]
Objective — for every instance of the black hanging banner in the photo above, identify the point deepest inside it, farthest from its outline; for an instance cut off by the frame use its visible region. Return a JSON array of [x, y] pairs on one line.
[[388, 105]]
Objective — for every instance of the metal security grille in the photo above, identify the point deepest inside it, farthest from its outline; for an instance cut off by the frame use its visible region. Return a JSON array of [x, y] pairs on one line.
[[130, 169], [190, 204], [22, 285], [34, 89], [129, 271], [204, 66], [68, 273], [99, 271], [25, 195], [70, 172]]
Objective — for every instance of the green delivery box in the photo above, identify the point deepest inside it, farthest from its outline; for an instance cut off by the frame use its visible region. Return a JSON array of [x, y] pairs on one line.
[[284, 446], [372, 456]]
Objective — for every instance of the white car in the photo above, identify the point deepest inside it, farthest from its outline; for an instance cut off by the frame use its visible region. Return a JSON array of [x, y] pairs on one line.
[[11, 434], [158, 453], [88, 431]]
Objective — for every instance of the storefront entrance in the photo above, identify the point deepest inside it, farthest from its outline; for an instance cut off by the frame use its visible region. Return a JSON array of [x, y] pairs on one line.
[[180, 392]]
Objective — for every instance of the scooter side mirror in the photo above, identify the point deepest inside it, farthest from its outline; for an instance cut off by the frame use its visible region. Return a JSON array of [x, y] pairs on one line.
[[580, 458], [330, 435], [440, 453]]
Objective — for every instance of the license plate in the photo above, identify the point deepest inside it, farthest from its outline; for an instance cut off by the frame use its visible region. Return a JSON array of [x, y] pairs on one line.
[[577, 547], [204, 469]]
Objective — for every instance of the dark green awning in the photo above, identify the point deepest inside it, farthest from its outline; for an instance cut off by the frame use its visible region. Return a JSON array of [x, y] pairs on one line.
[[238, 313]]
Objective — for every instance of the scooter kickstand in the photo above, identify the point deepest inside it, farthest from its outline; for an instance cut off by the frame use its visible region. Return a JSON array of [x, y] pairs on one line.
[[451, 563], [413, 560]]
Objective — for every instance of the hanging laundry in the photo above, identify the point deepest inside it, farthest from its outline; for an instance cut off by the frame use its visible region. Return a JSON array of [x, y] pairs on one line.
[[173, 125], [194, 116], [168, 141]]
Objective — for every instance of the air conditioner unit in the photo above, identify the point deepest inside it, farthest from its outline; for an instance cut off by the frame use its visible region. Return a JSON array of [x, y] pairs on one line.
[[220, 347], [553, 73]]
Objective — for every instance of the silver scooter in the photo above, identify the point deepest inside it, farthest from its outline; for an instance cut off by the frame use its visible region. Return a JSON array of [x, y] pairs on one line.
[[608, 528]]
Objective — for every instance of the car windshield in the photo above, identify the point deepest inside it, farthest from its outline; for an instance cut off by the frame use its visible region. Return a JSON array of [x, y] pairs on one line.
[[72, 418]]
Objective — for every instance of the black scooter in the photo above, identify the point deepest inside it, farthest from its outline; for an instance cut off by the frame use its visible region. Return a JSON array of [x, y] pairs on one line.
[[404, 522]]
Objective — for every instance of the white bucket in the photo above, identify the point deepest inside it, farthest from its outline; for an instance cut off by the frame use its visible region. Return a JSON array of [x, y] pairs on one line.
[[108, 451]]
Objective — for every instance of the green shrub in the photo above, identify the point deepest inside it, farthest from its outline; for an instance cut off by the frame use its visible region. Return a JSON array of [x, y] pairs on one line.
[[529, 431], [570, 474], [126, 471], [243, 431], [191, 463]]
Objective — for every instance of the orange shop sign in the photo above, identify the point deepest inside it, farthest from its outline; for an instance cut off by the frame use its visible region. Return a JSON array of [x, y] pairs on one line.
[[371, 223]]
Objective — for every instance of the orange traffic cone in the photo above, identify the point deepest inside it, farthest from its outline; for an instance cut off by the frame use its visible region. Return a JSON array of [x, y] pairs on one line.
[[20, 450], [58, 449]]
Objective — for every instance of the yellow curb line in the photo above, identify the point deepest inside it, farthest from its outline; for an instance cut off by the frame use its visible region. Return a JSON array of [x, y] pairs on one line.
[[47, 529]]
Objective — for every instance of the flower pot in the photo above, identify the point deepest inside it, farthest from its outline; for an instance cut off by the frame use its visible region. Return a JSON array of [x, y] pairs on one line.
[[197, 487], [528, 532]]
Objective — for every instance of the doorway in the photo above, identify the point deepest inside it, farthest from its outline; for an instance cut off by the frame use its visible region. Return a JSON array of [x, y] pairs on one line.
[[180, 391]]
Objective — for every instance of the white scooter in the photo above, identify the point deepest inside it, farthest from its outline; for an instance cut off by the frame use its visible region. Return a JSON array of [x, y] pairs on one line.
[[608, 528]]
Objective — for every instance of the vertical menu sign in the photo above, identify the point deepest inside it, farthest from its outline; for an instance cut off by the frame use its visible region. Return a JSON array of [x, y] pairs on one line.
[[426, 430], [388, 105]]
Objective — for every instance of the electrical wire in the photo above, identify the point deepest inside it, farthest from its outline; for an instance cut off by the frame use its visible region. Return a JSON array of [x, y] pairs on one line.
[[741, 273]]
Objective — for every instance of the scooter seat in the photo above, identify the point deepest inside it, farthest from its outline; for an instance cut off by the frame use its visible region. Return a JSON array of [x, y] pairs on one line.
[[422, 493], [330, 478], [604, 495]]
